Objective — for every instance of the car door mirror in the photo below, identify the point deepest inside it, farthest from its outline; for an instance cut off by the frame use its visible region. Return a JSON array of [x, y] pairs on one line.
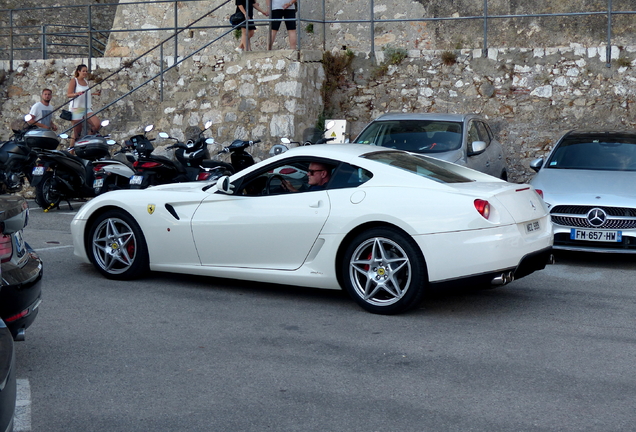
[[223, 184], [536, 164], [477, 147]]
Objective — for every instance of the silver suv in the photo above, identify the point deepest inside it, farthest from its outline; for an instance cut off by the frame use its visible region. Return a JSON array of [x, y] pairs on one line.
[[464, 139]]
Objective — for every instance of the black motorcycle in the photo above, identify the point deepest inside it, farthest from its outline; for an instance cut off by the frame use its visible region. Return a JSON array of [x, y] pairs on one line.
[[19, 153], [60, 175], [192, 155]]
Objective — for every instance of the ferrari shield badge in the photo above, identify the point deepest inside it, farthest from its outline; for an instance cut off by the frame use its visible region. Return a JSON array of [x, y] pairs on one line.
[[151, 208]]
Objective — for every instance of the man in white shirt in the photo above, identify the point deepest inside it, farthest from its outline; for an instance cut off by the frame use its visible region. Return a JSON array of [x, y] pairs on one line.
[[41, 111]]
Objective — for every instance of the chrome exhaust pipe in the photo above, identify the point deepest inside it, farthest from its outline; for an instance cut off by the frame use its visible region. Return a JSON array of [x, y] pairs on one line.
[[20, 336], [503, 279]]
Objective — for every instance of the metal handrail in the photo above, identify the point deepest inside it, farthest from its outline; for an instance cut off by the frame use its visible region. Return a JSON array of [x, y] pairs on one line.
[[372, 21]]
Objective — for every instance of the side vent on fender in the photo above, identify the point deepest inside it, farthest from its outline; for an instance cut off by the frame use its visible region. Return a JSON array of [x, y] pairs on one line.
[[172, 211]]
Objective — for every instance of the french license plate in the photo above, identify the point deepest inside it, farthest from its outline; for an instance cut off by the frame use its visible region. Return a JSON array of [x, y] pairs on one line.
[[533, 226], [38, 170], [592, 235], [98, 182], [136, 180]]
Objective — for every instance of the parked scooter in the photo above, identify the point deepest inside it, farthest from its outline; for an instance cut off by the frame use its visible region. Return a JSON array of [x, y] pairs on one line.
[[18, 154], [239, 157], [192, 155], [310, 136], [60, 175], [114, 173], [152, 169]]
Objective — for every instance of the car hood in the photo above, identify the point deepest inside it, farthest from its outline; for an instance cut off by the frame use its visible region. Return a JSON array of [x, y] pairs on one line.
[[585, 186]]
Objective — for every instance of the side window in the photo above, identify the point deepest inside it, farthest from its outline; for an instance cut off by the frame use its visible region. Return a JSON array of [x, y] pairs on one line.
[[473, 133], [349, 176], [483, 132]]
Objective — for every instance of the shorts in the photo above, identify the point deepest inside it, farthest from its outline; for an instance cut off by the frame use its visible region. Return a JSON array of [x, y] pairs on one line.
[[288, 14], [79, 113]]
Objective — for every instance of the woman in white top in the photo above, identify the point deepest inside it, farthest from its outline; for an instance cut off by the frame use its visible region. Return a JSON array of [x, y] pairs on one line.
[[81, 105]]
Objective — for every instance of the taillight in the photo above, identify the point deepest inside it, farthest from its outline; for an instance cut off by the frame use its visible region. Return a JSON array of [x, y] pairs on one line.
[[287, 171], [203, 175], [6, 247], [98, 167], [17, 316], [540, 192], [143, 165], [483, 207]]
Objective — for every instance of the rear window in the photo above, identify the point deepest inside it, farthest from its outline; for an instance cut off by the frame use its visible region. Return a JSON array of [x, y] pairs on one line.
[[595, 154], [418, 136], [417, 165]]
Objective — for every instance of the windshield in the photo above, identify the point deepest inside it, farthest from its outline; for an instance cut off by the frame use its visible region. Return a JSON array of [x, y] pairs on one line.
[[417, 165], [418, 136], [595, 154]]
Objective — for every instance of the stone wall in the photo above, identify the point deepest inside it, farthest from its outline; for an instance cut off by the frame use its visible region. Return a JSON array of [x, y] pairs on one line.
[[251, 96], [530, 96]]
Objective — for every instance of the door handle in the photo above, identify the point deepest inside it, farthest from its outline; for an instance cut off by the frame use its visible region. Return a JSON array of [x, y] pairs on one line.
[[317, 204]]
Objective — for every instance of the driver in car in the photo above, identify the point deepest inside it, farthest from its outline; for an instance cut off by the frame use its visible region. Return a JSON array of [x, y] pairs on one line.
[[318, 175]]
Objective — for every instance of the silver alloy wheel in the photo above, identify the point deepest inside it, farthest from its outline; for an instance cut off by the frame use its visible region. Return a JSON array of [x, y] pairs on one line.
[[380, 271], [114, 245]]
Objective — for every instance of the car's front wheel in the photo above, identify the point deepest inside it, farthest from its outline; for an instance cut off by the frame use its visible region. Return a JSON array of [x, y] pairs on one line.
[[117, 247], [384, 271]]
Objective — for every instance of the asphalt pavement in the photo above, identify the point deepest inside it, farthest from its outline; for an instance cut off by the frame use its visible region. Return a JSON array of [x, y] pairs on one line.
[[554, 351]]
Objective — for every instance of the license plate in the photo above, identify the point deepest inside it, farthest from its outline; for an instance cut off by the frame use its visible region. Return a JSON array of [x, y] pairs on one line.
[[533, 226], [136, 180], [99, 182], [592, 235], [38, 170]]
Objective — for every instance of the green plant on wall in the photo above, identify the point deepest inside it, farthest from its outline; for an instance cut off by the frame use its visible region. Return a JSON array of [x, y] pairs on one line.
[[310, 28], [336, 67], [449, 58], [392, 56]]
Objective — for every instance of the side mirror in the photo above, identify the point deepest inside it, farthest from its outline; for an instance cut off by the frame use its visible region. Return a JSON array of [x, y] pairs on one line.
[[63, 136], [208, 124], [330, 124], [209, 141], [149, 128], [223, 184], [105, 123], [111, 142], [477, 147], [163, 135], [28, 118], [536, 164], [285, 140], [277, 149]]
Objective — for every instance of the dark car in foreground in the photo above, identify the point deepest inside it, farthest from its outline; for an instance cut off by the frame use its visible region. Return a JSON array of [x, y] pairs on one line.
[[21, 285], [588, 182], [7, 379], [464, 139]]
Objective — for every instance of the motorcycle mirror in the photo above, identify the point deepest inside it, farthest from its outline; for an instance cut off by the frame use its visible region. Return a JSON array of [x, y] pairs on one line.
[[111, 142], [209, 141], [330, 124], [63, 136], [163, 135], [28, 118], [285, 140], [208, 124], [105, 123], [278, 149], [149, 128], [347, 141]]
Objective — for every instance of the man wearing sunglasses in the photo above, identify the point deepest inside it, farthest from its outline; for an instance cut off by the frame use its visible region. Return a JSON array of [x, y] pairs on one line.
[[318, 176]]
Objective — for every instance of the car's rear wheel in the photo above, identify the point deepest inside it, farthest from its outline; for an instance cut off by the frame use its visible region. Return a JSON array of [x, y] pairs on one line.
[[117, 247], [384, 271]]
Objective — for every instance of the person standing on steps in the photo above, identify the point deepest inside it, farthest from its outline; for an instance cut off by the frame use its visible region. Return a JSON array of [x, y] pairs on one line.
[[246, 36], [41, 111], [81, 104], [284, 9]]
